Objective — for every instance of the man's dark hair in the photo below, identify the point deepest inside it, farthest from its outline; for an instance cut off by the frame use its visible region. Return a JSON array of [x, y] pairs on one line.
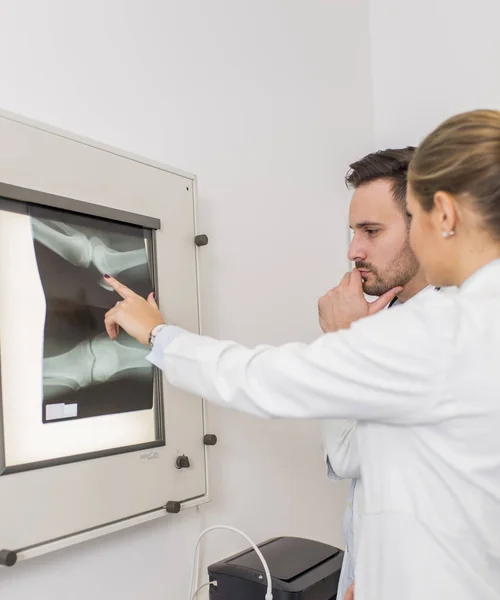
[[391, 165]]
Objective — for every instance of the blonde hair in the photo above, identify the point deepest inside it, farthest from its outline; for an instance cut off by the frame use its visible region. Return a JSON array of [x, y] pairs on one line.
[[462, 157]]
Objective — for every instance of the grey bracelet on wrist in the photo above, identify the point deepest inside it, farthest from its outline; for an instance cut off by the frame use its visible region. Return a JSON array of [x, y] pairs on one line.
[[154, 332]]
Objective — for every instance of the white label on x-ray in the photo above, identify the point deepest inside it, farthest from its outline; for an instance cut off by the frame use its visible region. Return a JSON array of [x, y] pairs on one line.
[[60, 411], [70, 410]]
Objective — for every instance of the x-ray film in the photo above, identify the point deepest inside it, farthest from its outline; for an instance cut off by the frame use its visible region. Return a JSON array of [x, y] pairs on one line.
[[85, 374], [103, 392]]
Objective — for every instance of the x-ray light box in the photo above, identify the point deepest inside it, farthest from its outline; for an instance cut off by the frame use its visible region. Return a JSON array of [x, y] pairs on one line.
[[98, 396], [87, 425]]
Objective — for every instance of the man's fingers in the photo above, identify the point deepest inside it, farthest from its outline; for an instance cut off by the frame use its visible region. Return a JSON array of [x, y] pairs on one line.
[[344, 282], [119, 288], [346, 279], [384, 300], [356, 279], [350, 593]]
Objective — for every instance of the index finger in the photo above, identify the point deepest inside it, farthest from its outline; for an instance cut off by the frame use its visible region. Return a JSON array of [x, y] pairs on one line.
[[346, 280], [356, 278], [119, 288]]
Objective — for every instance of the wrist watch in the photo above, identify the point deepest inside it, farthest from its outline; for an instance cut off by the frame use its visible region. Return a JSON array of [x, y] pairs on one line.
[[154, 332]]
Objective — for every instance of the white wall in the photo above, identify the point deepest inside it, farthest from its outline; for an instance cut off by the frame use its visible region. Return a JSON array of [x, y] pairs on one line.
[[266, 102], [431, 59]]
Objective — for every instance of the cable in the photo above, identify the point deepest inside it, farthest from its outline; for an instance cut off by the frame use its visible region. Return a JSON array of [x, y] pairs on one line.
[[200, 527], [194, 570], [214, 583]]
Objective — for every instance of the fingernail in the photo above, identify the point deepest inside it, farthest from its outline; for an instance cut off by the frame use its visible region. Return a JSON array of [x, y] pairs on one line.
[[106, 276]]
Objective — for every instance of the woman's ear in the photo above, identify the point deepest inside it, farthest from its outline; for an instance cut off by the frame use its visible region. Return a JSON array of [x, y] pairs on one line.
[[446, 213]]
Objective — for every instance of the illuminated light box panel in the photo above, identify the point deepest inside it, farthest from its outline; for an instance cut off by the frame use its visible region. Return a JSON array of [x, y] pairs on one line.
[[90, 432]]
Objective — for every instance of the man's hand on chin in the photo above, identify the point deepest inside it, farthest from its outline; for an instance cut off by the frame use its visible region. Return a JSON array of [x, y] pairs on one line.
[[346, 303]]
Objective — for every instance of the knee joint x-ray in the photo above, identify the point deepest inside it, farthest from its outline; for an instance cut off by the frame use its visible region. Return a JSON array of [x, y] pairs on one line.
[[82, 367], [66, 370]]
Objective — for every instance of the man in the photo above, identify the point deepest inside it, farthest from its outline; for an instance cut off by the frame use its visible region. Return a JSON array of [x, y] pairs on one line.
[[381, 252]]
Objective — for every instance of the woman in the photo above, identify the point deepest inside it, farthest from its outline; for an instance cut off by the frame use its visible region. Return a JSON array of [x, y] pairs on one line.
[[422, 381]]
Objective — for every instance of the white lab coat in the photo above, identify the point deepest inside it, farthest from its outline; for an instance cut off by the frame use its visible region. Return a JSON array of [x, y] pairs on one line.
[[423, 382], [343, 462], [340, 447]]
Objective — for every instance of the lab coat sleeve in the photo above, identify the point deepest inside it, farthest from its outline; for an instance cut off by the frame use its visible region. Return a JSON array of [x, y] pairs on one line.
[[166, 336], [339, 442], [386, 368]]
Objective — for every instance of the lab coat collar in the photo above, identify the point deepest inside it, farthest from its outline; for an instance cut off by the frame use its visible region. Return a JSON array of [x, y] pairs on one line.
[[485, 278], [397, 302]]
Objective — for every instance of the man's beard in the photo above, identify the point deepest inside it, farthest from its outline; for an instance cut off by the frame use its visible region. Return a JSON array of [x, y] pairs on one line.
[[398, 273]]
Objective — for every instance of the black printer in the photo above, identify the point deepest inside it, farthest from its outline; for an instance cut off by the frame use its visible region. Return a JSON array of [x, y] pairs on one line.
[[301, 569]]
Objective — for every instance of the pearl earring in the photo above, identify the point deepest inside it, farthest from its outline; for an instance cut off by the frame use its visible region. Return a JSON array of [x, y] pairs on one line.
[[447, 234]]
